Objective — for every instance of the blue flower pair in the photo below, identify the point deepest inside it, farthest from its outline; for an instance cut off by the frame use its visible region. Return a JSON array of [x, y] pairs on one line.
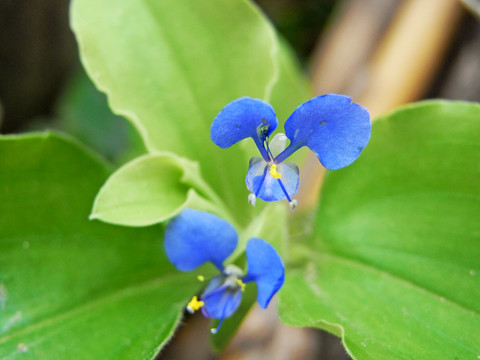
[[196, 237], [335, 129]]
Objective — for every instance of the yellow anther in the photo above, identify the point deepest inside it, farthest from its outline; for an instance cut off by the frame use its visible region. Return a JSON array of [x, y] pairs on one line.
[[274, 173], [194, 305], [241, 284], [201, 278]]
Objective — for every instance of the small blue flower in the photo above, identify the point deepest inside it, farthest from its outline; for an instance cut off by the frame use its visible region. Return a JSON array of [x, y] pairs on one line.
[[335, 129], [196, 237]]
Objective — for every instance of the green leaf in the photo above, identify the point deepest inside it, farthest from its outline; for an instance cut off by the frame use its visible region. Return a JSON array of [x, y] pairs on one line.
[[170, 66], [69, 285], [152, 189], [396, 271]]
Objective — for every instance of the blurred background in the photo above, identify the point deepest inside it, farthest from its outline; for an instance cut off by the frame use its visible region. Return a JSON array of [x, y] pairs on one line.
[[383, 53]]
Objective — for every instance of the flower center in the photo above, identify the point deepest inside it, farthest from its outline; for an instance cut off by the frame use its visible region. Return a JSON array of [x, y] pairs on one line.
[[233, 280], [230, 280], [273, 171]]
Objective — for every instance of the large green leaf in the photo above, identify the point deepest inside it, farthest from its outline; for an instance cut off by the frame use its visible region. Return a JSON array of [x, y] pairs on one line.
[[396, 266], [69, 287], [170, 66]]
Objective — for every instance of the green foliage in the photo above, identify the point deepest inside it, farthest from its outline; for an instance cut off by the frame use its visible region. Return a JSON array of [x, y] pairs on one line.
[[393, 266], [69, 286]]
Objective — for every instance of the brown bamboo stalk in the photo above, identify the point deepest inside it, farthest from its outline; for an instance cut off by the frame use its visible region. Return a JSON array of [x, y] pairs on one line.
[[410, 54], [400, 69]]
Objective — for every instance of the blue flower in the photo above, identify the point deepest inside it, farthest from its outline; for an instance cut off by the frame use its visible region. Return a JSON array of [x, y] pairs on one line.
[[196, 237], [335, 129]]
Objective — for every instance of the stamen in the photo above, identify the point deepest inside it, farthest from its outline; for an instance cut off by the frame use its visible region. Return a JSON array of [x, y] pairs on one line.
[[269, 152], [252, 199], [284, 190], [261, 181], [293, 204], [215, 330], [201, 278], [261, 147], [194, 305], [241, 284], [273, 171]]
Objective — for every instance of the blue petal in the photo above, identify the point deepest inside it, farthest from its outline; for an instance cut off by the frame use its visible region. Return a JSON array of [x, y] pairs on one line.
[[270, 189], [265, 267], [195, 237], [332, 127], [222, 302], [241, 119]]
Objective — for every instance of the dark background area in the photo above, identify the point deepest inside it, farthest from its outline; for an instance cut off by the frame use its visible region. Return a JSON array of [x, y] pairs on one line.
[[38, 54]]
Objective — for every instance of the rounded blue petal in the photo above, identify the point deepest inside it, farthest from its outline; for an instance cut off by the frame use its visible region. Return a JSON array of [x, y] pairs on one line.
[[265, 267], [241, 119], [195, 237], [332, 127], [221, 303], [270, 189]]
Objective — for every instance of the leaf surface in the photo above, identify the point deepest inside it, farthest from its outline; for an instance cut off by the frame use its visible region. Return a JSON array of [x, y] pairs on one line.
[[396, 266], [70, 287]]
